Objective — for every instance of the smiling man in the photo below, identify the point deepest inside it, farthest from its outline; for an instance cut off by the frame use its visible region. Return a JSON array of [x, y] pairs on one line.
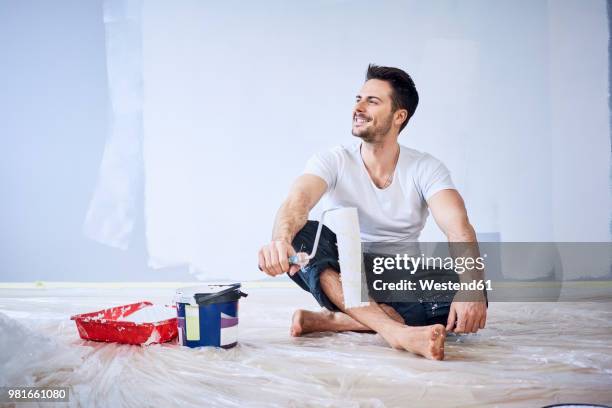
[[393, 188]]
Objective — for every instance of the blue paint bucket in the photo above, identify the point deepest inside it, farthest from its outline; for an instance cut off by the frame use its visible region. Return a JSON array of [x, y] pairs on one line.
[[208, 315]]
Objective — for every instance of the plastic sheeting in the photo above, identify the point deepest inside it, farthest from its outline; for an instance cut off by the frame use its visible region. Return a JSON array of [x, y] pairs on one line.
[[529, 355], [114, 207]]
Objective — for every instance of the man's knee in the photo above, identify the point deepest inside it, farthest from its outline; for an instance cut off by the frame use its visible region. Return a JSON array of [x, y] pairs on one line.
[[329, 276]]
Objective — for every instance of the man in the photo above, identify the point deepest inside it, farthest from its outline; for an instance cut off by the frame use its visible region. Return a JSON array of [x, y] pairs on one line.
[[392, 187]]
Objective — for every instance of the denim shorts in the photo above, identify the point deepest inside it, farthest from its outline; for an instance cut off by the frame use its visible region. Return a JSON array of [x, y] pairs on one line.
[[413, 313]]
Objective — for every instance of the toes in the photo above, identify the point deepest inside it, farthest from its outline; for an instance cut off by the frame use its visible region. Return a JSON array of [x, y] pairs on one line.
[[437, 351], [296, 330], [438, 336], [297, 323], [438, 331]]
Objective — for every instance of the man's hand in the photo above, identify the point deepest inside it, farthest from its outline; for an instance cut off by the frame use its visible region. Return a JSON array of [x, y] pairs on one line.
[[274, 258], [469, 317], [306, 191]]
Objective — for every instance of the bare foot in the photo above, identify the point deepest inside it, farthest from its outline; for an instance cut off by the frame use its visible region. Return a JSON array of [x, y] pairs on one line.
[[427, 341], [305, 321], [297, 323]]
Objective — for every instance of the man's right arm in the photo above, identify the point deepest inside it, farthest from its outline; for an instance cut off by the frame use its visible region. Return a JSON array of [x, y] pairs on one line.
[[305, 193]]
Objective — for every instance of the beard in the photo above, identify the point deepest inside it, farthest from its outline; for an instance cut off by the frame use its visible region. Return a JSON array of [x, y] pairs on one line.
[[374, 134]]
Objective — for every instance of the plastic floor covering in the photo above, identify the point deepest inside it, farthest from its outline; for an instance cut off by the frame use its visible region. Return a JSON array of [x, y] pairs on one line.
[[530, 354]]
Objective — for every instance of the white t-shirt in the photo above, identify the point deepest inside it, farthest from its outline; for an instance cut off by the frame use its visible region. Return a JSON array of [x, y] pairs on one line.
[[396, 213]]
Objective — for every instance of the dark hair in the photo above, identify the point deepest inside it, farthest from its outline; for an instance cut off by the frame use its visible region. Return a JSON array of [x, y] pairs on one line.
[[404, 95]]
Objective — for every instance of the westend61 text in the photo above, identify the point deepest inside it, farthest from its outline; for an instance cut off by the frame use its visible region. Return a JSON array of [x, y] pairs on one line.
[[428, 284]]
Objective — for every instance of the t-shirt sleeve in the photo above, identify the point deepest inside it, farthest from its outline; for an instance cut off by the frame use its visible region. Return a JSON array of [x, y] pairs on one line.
[[433, 176], [325, 165]]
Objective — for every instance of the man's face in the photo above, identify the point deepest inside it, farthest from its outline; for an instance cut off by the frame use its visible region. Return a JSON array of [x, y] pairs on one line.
[[373, 113]]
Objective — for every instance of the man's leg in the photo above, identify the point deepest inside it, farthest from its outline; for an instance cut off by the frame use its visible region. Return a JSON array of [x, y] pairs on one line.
[[311, 281], [329, 318], [306, 321], [427, 341]]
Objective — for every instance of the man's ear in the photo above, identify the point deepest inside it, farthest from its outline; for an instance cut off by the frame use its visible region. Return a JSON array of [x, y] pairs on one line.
[[400, 116]]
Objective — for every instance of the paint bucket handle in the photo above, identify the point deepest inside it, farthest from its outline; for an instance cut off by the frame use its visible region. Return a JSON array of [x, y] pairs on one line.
[[210, 296]]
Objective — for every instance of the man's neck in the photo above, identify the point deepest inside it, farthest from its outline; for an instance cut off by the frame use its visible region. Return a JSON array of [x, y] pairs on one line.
[[380, 158]]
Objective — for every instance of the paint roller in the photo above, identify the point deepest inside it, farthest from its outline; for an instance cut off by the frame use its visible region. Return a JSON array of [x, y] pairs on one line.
[[344, 222], [302, 258]]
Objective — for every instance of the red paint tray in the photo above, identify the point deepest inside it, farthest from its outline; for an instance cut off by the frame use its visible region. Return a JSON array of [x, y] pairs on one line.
[[104, 325]]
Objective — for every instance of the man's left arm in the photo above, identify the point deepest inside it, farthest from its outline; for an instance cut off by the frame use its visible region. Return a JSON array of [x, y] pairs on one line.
[[468, 311]]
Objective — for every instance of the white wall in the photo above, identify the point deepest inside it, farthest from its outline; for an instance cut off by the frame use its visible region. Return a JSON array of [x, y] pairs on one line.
[[238, 96], [579, 120]]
